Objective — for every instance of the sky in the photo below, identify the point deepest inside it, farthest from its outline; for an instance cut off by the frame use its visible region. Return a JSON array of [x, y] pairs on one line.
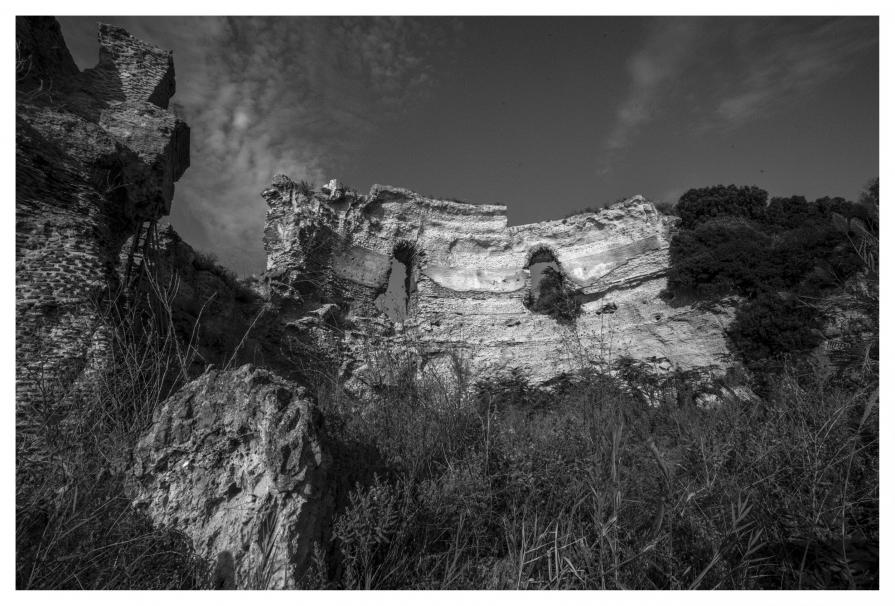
[[546, 115]]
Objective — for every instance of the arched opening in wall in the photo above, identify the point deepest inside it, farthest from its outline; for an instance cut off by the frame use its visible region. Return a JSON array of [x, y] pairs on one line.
[[549, 290], [394, 301]]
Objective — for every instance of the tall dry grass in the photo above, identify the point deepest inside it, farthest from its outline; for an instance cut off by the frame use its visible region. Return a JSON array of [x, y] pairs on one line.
[[75, 527], [586, 486]]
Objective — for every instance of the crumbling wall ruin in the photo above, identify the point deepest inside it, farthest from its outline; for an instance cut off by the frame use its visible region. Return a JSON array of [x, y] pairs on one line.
[[97, 155], [469, 275]]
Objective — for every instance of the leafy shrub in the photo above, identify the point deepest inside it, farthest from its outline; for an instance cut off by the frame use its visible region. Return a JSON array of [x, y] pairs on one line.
[[795, 211], [729, 243], [555, 298], [719, 258], [771, 326], [500, 392], [723, 257], [812, 260], [792, 212], [703, 204]]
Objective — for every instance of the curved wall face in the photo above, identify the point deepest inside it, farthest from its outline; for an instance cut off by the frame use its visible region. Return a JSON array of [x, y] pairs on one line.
[[472, 274]]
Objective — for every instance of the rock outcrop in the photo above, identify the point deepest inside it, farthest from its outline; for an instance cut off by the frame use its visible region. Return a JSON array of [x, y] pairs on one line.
[[97, 155], [235, 461], [464, 276]]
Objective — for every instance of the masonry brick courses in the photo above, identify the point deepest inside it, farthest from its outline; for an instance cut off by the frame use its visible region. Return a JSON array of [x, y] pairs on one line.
[[97, 155]]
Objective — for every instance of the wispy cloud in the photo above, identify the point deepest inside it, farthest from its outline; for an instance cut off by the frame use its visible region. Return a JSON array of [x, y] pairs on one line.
[[666, 52], [722, 73], [791, 62], [296, 96], [291, 95]]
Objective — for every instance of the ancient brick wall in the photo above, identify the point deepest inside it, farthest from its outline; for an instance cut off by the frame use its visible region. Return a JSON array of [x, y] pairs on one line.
[[143, 73], [97, 154]]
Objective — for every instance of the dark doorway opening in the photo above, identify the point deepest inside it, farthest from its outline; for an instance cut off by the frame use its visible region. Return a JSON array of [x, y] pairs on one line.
[[394, 302]]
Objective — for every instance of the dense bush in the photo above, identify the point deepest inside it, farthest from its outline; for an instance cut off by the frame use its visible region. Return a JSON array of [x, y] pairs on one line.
[[792, 212], [777, 256], [718, 258], [703, 204], [725, 256], [770, 326]]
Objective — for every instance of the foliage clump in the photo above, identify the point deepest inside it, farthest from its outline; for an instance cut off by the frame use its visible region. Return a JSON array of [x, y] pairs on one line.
[[554, 297], [769, 325], [699, 205], [779, 256]]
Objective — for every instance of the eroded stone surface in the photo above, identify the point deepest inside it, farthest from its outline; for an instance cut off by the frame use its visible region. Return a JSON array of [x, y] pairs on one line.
[[234, 460], [97, 154], [470, 275]]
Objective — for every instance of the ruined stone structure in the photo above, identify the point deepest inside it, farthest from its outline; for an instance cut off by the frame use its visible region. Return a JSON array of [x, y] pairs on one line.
[[464, 278], [235, 459], [97, 155]]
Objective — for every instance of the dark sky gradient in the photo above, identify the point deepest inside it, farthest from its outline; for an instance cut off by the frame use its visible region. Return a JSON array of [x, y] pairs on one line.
[[546, 115]]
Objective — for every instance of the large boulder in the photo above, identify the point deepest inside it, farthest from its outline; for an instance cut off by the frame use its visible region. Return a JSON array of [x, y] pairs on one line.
[[235, 461]]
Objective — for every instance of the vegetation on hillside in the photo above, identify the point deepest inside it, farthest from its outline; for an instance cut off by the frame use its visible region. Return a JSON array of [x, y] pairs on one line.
[[586, 485], [782, 257]]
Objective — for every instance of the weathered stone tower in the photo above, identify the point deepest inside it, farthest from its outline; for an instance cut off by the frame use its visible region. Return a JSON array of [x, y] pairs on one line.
[[97, 155]]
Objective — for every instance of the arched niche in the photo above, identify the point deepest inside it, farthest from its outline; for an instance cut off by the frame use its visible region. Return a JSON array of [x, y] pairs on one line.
[[549, 291], [394, 300]]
